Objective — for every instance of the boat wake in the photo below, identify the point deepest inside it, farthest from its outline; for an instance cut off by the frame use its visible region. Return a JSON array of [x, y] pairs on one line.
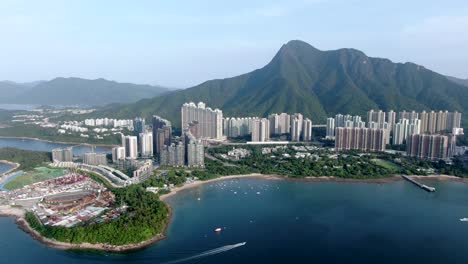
[[208, 253]]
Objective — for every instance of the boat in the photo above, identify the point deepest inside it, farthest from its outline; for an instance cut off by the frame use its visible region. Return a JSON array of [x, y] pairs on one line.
[[217, 230], [464, 219]]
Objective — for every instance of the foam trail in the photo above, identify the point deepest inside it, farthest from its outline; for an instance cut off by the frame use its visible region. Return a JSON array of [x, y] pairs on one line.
[[209, 253]]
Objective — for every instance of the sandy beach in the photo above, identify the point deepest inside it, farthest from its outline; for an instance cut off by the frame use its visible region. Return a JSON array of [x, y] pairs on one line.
[[309, 179]]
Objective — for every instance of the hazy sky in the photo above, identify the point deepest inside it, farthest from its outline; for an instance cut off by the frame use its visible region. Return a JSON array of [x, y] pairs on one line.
[[182, 43]]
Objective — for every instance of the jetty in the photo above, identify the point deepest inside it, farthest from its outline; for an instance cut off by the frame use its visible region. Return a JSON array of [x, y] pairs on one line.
[[420, 185]]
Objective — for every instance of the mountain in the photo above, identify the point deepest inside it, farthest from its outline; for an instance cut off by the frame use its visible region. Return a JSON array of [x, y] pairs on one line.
[[458, 80], [77, 91], [301, 78], [9, 90]]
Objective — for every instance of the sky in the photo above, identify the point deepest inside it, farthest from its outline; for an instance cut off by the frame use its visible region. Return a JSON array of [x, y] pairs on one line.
[[183, 43]]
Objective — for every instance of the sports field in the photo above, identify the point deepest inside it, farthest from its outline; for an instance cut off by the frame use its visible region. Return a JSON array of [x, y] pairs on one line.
[[36, 175]]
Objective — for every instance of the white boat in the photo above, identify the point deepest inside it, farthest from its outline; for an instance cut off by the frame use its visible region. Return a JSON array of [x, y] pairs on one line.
[[464, 219], [217, 230]]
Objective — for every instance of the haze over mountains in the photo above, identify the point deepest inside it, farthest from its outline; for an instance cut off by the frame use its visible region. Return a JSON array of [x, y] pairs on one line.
[[76, 91], [301, 78], [458, 80]]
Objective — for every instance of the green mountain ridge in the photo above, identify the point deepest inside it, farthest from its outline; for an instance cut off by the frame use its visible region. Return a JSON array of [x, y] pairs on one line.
[[76, 91], [463, 82], [301, 78]]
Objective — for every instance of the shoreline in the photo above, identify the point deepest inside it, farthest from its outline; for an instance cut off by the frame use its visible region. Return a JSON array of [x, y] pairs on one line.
[[15, 166], [18, 214], [20, 221], [61, 142], [389, 179]]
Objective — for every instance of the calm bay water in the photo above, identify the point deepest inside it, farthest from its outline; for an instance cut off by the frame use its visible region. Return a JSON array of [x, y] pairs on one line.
[[30, 144], [4, 167], [292, 222]]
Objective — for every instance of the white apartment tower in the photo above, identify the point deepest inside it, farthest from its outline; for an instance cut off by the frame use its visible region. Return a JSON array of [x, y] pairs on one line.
[[307, 130], [261, 130], [296, 126], [210, 122], [131, 147], [146, 144], [330, 131]]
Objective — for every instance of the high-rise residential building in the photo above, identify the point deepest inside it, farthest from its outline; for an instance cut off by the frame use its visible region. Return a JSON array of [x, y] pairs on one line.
[[307, 130], [432, 122], [376, 116], [146, 144], [139, 126], [162, 134], [408, 115], [296, 126], [172, 155], [238, 127], [405, 128], [93, 158], [210, 122], [348, 121], [400, 132], [365, 139], [373, 124], [339, 120], [280, 123], [441, 122], [131, 147], [424, 146], [62, 155], [118, 153], [261, 130], [391, 119], [330, 129], [424, 117], [194, 151]]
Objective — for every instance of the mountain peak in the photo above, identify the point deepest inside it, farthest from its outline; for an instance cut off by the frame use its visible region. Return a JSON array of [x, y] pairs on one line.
[[297, 46]]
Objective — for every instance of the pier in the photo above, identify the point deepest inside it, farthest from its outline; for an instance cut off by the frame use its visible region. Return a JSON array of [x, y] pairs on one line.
[[420, 185]]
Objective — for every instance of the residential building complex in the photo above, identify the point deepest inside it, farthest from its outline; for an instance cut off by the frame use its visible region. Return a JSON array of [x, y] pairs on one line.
[[209, 121], [93, 158], [194, 151], [365, 139], [145, 143], [62, 155], [238, 127], [432, 147], [280, 123], [162, 134], [307, 130], [130, 143], [261, 130], [118, 153], [296, 126]]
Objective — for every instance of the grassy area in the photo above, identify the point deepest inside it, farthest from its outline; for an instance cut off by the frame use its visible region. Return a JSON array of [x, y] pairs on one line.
[[37, 175], [387, 164]]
